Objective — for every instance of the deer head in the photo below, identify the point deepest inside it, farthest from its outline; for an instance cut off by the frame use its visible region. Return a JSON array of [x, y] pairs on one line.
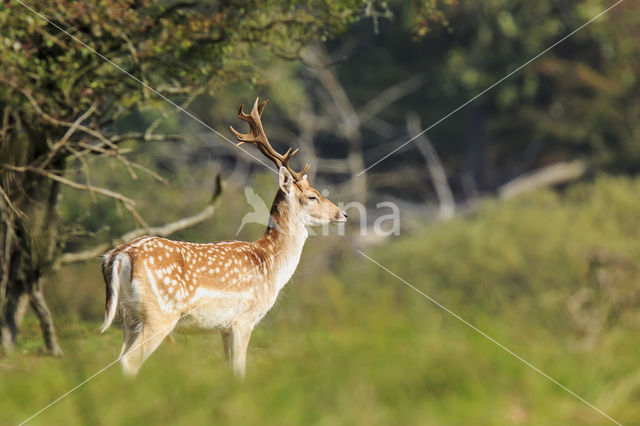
[[303, 203]]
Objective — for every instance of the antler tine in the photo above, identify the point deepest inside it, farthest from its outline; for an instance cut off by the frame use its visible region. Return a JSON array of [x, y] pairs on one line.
[[256, 133], [258, 137], [261, 106], [241, 113], [297, 176]]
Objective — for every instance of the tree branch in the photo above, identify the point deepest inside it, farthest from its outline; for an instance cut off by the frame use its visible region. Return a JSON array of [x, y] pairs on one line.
[[162, 231], [438, 175], [63, 141], [57, 122], [68, 182], [127, 202], [554, 174], [388, 96], [145, 137]]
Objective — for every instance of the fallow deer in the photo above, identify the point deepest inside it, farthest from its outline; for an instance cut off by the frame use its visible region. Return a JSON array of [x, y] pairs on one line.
[[160, 285]]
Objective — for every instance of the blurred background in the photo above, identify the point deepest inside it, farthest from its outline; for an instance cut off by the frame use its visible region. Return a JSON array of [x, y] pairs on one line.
[[518, 212]]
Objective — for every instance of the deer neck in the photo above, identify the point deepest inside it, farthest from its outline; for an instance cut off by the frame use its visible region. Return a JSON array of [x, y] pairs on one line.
[[283, 240]]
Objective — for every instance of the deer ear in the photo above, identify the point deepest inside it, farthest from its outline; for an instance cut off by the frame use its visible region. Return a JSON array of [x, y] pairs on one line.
[[286, 180]]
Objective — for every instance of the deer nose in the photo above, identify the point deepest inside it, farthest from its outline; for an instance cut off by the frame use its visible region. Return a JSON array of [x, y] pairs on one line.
[[342, 216]]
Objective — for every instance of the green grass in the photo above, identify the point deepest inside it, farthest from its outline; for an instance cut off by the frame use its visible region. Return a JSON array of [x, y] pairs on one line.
[[349, 344], [382, 369]]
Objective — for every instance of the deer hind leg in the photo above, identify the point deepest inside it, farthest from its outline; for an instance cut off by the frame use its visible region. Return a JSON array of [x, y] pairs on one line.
[[226, 344], [130, 327], [240, 336], [143, 343]]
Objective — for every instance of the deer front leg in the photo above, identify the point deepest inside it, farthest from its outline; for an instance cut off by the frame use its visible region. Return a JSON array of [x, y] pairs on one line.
[[240, 340]]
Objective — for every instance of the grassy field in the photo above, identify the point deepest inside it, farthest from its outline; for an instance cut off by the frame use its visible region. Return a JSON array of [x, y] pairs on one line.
[[552, 277]]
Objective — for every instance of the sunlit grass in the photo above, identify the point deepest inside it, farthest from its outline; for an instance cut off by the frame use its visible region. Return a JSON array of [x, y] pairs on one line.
[[350, 344], [423, 369]]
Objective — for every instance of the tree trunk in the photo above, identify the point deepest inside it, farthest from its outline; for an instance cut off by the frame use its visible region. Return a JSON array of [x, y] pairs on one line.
[[446, 202], [9, 328], [29, 242], [39, 305], [12, 315], [11, 293]]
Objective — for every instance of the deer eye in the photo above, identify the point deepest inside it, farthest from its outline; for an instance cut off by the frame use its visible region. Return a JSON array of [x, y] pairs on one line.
[[312, 198]]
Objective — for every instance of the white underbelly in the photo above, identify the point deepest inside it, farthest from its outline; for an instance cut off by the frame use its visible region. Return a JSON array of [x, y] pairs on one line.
[[213, 312]]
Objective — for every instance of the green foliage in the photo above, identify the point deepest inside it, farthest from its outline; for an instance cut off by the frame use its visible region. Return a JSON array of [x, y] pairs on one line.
[[534, 250], [424, 14], [578, 99], [175, 47], [348, 343]]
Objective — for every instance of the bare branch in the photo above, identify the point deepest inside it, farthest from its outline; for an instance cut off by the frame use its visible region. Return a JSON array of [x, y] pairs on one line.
[[163, 231], [68, 182], [84, 167], [127, 202], [145, 137], [95, 133], [436, 169], [128, 163], [10, 204], [110, 142], [551, 175], [92, 132], [388, 96], [57, 122], [63, 141]]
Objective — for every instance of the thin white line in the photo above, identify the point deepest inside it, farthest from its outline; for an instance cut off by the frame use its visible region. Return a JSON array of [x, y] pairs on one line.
[[145, 85], [52, 403], [492, 86], [68, 392], [476, 329]]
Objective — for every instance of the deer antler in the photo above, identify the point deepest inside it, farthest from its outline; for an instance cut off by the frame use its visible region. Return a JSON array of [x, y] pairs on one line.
[[257, 137]]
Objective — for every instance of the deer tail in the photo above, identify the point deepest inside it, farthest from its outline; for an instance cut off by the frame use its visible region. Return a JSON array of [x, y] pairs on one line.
[[116, 269]]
